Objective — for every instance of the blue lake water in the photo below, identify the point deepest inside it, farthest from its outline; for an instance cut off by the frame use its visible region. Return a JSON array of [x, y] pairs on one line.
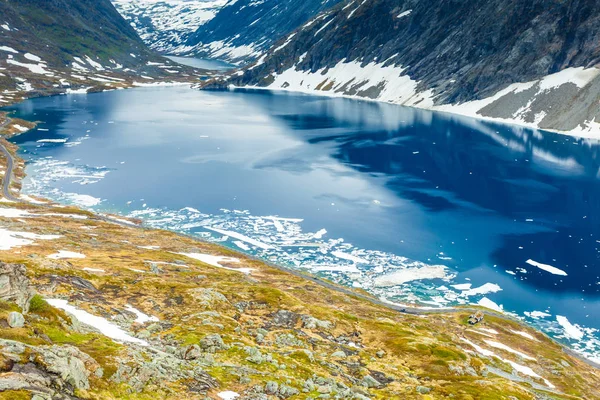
[[411, 205]]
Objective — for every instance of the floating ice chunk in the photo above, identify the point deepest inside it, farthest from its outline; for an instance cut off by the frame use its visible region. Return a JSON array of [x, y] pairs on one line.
[[62, 254], [571, 331], [547, 268], [487, 303], [241, 237], [141, 317], [412, 274], [349, 257], [484, 289], [241, 245], [462, 286], [51, 140], [105, 327], [536, 314]]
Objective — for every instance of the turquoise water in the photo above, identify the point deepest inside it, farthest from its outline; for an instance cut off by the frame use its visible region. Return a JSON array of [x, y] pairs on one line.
[[411, 205]]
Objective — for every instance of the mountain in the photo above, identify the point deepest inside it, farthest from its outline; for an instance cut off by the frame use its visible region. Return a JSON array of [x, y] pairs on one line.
[[531, 62], [166, 24], [244, 29], [49, 47]]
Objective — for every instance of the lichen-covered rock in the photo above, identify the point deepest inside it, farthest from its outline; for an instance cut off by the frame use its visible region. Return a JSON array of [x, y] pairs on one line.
[[73, 365], [423, 389], [213, 343], [14, 285], [284, 319], [309, 322], [15, 320]]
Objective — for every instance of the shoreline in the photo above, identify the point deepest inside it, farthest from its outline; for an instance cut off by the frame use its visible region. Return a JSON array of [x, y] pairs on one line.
[[477, 117], [347, 291]]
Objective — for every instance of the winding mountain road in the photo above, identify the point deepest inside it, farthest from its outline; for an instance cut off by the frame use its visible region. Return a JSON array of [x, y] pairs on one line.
[[10, 162]]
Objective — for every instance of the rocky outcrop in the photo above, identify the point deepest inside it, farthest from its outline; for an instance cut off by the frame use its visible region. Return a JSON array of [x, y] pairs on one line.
[[50, 371], [14, 285]]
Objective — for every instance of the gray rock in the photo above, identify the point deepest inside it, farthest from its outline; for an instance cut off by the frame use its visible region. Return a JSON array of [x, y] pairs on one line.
[[423, 389], [14, 285], [310, 322], [15, 320], [213, 343], [286, 391], [208, 297], [380, 354], [193, 352], [284, 319], [271, 387], [370, 382], [338, 354]]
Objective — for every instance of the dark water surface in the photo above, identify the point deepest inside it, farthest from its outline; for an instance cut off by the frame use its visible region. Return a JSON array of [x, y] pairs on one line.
[[405, 203]]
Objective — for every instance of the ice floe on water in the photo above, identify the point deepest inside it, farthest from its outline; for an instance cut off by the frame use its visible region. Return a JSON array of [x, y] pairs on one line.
[[547, 268]]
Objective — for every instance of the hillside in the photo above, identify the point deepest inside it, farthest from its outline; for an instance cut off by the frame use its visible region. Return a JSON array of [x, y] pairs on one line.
[[530, 62], [50, 47], [165, 25], [244, 29]]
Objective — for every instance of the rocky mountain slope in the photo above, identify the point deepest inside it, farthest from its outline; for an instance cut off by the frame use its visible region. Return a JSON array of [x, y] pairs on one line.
[[95, 307], [244, 29], [165, 25], [50, 47], [530, 62]]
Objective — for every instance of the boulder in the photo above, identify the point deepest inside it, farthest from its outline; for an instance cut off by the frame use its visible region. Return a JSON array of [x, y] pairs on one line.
[[15, 320], [423, 389], [14, 285], [213, 343]]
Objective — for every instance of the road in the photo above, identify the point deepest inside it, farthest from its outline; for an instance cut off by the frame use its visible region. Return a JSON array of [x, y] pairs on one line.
[[10, 162]]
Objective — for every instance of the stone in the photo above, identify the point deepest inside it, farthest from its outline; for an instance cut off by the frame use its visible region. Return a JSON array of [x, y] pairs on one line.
[[15, 320], [380, 354], [271, 387], [310, 322], [213, 343], [423, 389], [284, 319], [193, 352], [15, 286], [370, 382], [338, 354]]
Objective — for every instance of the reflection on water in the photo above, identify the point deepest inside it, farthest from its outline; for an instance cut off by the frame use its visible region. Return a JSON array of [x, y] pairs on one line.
[[404, 203]]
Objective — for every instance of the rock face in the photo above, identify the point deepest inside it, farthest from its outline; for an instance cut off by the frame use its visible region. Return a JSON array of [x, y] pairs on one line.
[[243, 29], [14, 285], [51, 371], [447, 54]]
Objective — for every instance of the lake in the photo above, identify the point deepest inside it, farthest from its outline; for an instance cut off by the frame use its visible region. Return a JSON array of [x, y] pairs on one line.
[[411, 205]]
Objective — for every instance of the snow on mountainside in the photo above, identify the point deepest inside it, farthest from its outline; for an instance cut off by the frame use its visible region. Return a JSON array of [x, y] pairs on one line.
[[244, 29], [51, 47], [165, 25], [533, 62]]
